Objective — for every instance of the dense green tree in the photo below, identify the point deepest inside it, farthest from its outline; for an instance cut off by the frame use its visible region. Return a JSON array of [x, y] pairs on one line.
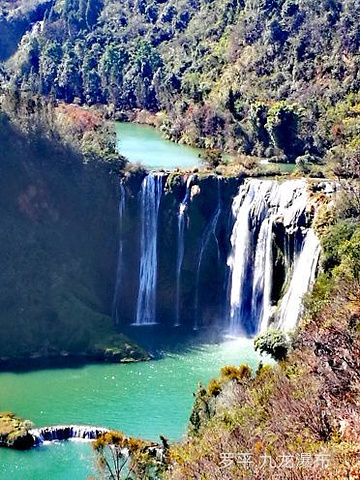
[[111, 66], [69, 79], [282, 124], [258, 118], [248, 61], [49, 62]]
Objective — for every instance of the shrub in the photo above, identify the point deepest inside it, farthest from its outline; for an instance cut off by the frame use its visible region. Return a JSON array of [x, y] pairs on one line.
[[212, 158], [214, 388], [273, 342], [350, 258], [229, 372], [331, 241]]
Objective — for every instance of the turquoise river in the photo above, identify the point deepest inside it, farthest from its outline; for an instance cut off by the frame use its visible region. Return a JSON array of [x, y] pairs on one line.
[[146, 145], [141, 399]]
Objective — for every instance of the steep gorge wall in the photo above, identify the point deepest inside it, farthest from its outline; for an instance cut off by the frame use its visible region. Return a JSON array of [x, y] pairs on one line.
[[58, 247]]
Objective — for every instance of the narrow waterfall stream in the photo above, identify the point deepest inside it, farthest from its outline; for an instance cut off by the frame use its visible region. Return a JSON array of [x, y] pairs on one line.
[[119, 269], [151, 192], [210, 232], [261, 297], [249, 210], [181, 219], [303, 276]]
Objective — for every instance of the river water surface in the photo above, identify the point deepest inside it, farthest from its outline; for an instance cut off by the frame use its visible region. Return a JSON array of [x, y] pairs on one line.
[[143, 399], [146, 145]]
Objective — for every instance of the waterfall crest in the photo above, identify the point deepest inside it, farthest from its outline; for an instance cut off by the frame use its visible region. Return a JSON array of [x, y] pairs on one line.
[[151, 192], [181, 247], [258, 205]]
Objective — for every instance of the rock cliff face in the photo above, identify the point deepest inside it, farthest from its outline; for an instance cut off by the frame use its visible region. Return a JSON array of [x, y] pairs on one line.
[[225, 252], [202, 285], [58, 249]]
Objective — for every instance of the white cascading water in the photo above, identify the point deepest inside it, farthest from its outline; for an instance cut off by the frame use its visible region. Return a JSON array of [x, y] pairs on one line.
[[210, 231], [66, 432], [258, 204], [261, 291], [181, 247], [247, 206], [267, 264], [115, 307], [302, 278], [151, 192]]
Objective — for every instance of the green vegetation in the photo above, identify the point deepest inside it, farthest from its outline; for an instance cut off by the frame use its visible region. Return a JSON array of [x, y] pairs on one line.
[[273, 342], [79, 130], [54, 188], [269, 79], [120, 457]]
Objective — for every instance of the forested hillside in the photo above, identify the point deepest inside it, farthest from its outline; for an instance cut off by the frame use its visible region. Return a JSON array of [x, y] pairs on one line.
[[268, 78], [16, 17], [56, 289]]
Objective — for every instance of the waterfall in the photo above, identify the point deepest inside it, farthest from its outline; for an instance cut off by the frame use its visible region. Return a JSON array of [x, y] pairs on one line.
[[181, 247], [267, 265], [66, 432], [263, 240], [151, 192], [261, 297], [210, 231], [119, 269], [257, 206], [303, 276], [249, 209]]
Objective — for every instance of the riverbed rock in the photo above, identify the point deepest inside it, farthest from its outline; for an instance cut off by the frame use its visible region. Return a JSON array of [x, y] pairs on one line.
[[14, 432]]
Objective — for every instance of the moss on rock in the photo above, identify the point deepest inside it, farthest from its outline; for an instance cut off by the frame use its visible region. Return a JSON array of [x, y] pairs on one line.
[[14, 432]]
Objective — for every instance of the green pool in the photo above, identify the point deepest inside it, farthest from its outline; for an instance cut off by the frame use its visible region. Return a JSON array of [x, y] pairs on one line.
[[144, 399]]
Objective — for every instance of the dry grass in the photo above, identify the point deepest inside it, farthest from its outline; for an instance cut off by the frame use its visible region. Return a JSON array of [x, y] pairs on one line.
[[303, 413]]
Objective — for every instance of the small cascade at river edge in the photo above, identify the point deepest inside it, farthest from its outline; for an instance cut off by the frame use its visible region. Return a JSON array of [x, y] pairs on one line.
[[187, 243], [66, 432]]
